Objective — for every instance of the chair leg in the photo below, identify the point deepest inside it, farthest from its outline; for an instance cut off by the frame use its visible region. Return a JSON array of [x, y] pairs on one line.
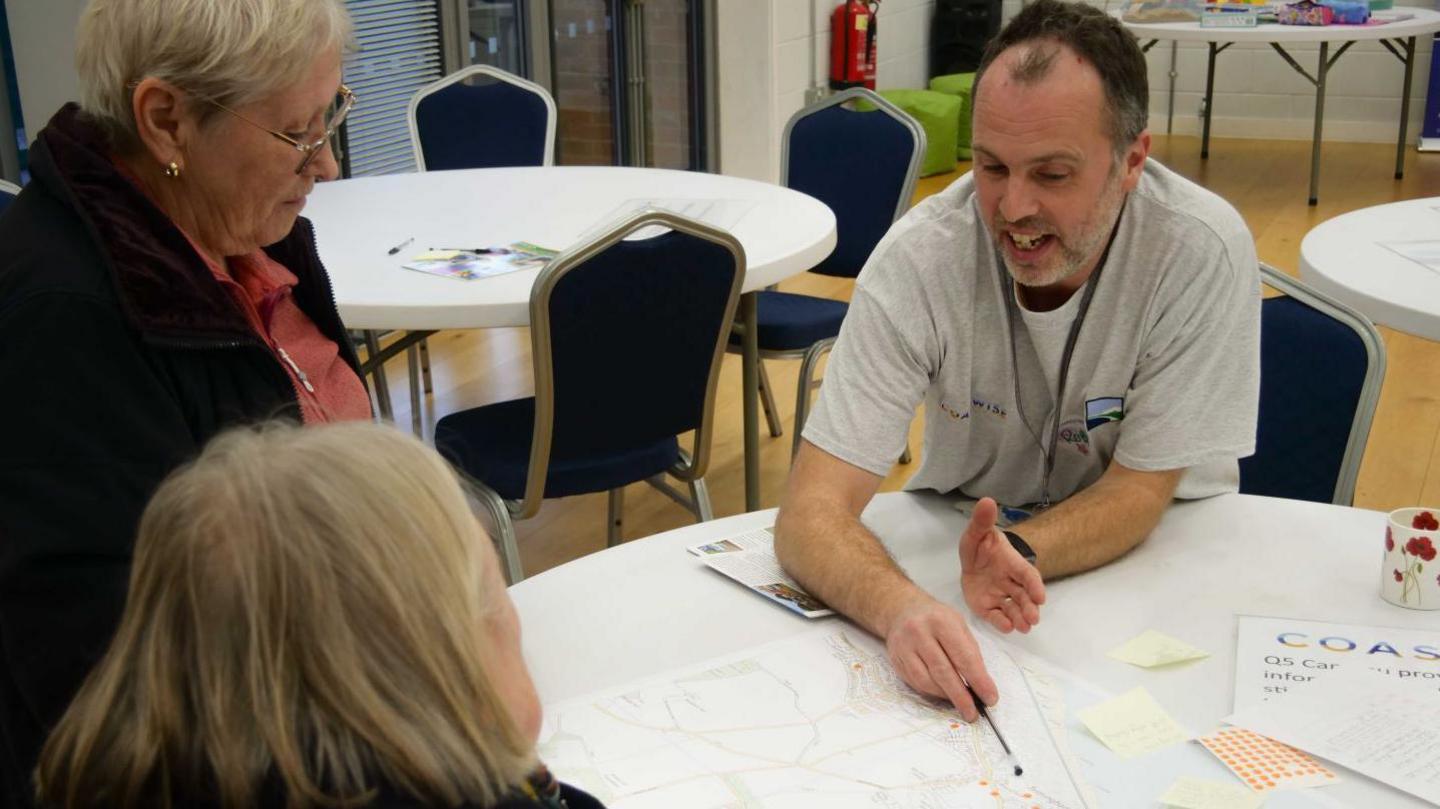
[[767, 401], [504, 534], [806, 383], [617, 518], [700, 496], [425, 366], [412, 363]]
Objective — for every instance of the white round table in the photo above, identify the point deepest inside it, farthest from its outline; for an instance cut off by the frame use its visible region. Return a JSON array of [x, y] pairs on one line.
[[358, 221], [647, 606], [1397, 37], [1345, 258]]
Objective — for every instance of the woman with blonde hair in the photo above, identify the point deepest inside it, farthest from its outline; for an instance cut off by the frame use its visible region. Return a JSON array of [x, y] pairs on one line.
[[157, 285], [315, 618]]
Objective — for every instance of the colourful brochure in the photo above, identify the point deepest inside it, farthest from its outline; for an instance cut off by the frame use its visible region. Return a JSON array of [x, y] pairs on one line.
[[749, 559], [481, 262]]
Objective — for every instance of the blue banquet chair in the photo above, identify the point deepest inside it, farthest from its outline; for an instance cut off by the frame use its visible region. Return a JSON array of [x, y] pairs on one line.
[[477, 117], [482, 117], [863, 164], [1321, 367], [600, 420]]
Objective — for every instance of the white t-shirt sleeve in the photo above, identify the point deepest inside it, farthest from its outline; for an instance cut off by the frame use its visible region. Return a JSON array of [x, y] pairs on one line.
[[1194, 398], [876, 377]]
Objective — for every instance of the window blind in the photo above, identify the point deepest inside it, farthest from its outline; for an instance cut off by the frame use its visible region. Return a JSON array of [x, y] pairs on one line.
[[399, 51]]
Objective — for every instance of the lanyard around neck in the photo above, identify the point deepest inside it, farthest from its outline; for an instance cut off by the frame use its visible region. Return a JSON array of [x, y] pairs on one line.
[[1012, 313]]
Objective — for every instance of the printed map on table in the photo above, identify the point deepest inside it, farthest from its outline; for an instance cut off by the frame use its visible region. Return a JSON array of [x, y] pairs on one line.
[[817, 720]]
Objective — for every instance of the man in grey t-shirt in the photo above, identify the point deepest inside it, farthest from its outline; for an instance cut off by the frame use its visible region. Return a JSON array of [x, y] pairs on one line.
[[1067, 268]]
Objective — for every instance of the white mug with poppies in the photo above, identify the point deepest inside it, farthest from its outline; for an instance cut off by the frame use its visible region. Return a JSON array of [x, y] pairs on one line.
[[1410, 575]]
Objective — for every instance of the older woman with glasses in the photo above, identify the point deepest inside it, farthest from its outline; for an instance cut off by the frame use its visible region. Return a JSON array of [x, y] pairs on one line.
[[156, 286]]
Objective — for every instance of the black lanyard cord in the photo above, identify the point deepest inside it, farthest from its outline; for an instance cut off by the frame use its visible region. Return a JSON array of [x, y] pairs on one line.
[[1012, 312]]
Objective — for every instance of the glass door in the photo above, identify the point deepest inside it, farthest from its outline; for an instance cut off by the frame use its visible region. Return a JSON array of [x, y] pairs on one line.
[[628, 77], [585, 72], [495, 35], [666, 70]]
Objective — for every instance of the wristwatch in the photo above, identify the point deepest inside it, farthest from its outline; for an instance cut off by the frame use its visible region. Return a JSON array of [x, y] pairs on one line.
[[1021, 546]]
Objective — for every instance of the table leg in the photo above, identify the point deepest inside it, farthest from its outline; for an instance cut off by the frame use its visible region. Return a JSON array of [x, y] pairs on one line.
[[1405, 108], [1170, 115], [1209, 100], [750, 382], [1321, 71], [382, 385], [412, 360]]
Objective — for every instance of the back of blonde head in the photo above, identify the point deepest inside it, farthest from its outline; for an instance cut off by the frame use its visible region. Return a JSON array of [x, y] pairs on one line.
[[231, 51], [305, 605]]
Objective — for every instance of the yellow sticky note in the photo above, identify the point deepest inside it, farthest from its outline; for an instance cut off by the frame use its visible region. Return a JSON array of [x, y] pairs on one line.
[[1151, 648], [1132, 724], [436, 255], [1198, 793]]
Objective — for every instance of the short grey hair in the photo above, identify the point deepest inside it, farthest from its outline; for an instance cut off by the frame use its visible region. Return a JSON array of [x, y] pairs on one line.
[[1098, 38], [231, 51]]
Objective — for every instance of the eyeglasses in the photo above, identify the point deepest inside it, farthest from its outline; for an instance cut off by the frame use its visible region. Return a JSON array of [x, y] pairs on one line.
[[344, 101]]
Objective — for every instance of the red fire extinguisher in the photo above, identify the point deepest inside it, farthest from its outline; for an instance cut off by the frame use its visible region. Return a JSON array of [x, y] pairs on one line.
[[852, 44]]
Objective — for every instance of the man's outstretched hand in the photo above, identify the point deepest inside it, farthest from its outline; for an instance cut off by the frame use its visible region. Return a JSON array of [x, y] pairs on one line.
[[932, 649], [1000, 586]]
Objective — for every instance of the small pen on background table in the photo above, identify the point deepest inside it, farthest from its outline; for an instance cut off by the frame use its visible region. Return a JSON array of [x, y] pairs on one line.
[[401, 246], [1009, 754]]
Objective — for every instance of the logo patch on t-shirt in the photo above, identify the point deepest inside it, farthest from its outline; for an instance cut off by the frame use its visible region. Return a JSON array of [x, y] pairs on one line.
[[1072, 433], [1102, 411]]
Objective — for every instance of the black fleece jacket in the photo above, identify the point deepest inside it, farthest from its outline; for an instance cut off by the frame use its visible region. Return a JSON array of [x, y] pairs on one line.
[[120, 356]]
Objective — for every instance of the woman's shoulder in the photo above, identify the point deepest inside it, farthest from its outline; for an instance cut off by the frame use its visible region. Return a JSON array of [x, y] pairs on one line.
[[45, 248]]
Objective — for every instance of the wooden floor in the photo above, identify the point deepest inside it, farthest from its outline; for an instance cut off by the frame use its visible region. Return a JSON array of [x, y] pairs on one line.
[[1266, 180]]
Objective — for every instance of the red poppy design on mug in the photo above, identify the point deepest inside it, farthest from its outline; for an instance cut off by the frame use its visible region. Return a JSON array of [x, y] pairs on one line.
[[1399, 577], [1389, 540], [1421, 547], [1425, 521]]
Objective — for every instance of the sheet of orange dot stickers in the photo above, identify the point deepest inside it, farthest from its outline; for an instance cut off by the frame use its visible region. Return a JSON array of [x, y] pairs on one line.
[[1264, 764]]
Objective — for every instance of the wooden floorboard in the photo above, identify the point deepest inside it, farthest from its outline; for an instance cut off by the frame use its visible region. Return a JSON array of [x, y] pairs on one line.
[[1267, 181]]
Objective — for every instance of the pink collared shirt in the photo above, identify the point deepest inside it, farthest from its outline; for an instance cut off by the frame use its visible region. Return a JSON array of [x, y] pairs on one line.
[[326, 387]]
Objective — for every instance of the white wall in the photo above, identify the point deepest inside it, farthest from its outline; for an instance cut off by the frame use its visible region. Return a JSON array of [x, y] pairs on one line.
[[765, 65], [43, 35], [745, 78]]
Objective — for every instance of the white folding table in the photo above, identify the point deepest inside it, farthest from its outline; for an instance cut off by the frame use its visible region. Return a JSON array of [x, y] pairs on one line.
[[1397, 37], [358, 221], [647, 606], [1347, 258]]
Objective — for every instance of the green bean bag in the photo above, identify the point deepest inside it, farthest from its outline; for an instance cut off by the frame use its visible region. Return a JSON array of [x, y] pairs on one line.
[[937, 114], [962, 85]]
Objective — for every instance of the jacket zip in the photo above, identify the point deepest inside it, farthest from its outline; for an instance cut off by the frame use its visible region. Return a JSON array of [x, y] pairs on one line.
[[345, 345], [201, 344]]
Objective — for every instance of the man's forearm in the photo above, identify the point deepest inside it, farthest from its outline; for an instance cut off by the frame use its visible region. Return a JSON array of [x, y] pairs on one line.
[[838, 560], [1100, 523]]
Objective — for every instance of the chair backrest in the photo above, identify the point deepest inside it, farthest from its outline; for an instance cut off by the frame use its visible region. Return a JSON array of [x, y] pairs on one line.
[[1321, 367], [8, 192], [861, 164], [627, 339], [499, 120]]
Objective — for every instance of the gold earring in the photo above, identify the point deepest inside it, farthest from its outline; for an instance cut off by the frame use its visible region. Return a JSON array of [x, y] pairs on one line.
[[173, 170]]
